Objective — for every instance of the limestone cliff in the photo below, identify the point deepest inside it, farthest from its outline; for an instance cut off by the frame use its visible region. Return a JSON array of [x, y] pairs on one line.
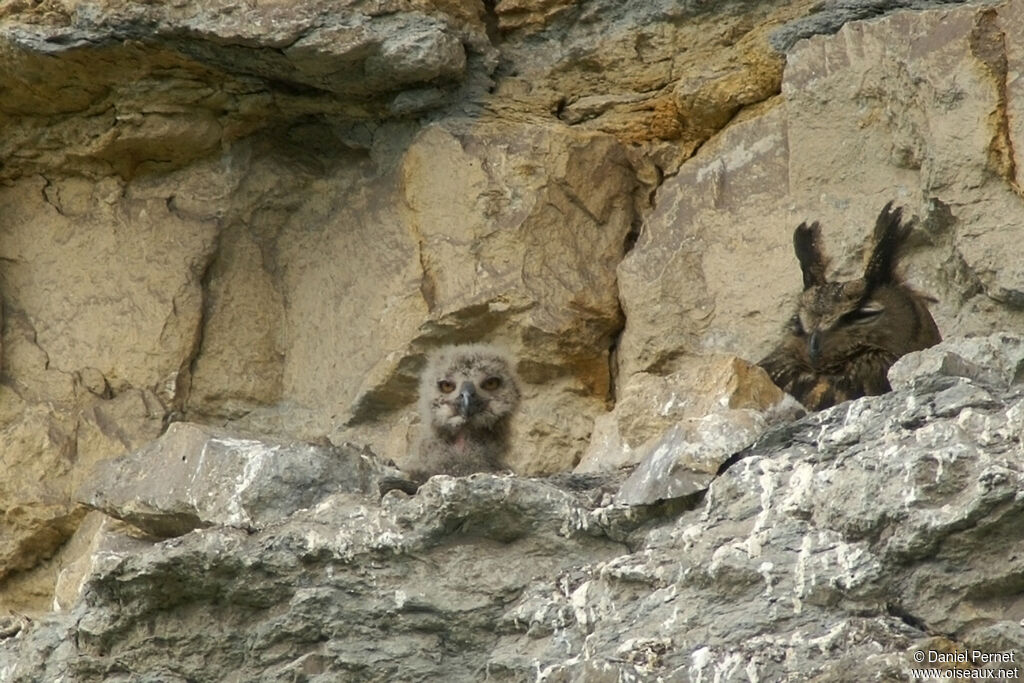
[[258, 217], [835, 548]]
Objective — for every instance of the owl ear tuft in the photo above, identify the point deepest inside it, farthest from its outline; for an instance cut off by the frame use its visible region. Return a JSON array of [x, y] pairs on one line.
[[807, 245], [889, 236]]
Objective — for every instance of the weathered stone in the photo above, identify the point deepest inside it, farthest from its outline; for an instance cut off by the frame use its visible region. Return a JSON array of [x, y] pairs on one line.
[[230, 304], [193, 477], [692, 269], [264, 214], [996, 360], [484, 262], [644, 72], [347, 547], [114, 426], [239, 364], [648, 405], [907, 106], [36, 515], [59, 241], [47, 451], [97, 536], [161, 86], [830, 16], [516, 14], [70, 359], [838, 534], [820, 535], [686, 458], [32, 377]]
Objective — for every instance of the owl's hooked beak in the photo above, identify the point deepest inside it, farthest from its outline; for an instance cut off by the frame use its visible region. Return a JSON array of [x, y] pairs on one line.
[[469, 401], [814, 347]]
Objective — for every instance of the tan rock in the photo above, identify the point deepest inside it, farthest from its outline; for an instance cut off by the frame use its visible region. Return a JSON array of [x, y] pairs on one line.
[[644, 73], [48, 450], [707, 99], [241, 218], [320, 301], [33, 532], [135, 329], [714, 269], [935, 122], [55, 584], [517, 14], [649, 405], [517, 231], [156, 86], [707, 273], [505, 233], [29, 370], [240, 362], [102, 286], [349, 273], [112, 427], [36, 515]]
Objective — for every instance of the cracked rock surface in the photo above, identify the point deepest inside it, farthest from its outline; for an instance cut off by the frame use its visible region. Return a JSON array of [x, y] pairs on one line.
[[260, 216], [833, 548]]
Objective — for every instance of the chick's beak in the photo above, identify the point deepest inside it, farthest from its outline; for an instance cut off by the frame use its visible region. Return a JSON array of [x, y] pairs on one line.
[[469, 402]]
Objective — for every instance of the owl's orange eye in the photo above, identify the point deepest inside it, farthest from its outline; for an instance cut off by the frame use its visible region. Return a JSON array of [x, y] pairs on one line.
[[491, 383], [446, 387]]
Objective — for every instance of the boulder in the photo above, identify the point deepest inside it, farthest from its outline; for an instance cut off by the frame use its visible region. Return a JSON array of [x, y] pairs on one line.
[[195, 476]]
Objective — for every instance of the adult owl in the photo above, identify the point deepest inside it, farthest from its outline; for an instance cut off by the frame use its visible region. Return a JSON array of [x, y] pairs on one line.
[[845, 336]]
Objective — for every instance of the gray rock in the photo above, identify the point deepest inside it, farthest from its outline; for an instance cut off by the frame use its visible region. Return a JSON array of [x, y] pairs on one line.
[[683, 462], [352, 589], [830, 16], [648, 405], [195, 476], [835, 548], [346, 53], [995, 360]]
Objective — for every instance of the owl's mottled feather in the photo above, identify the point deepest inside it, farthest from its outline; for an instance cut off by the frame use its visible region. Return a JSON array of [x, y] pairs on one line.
[[468, 395], [845, 336]]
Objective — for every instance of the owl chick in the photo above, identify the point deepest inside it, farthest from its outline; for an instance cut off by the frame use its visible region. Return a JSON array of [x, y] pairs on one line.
[[845, 336], [467, 397]]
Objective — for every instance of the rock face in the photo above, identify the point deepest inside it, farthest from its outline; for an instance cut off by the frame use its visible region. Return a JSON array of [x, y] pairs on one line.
[[912, 108], [834, 548], [249, 222], [649, 404]]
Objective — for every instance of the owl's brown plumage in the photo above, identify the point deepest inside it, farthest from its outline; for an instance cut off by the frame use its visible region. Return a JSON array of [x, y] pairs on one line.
[[846, 335], [468, 395]]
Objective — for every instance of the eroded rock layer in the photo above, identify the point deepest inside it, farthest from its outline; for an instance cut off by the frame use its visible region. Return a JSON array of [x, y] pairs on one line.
[[834, 548], [259, 217]]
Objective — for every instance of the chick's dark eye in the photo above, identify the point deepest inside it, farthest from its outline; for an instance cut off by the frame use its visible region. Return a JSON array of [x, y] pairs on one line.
[[491, 383], [446, 387], [796, 325]]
